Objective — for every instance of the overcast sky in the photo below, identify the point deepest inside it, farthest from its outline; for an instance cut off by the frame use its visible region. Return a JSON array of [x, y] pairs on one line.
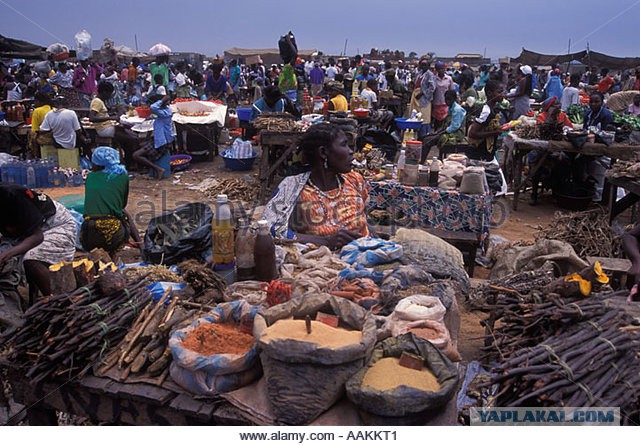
[[495, 28]]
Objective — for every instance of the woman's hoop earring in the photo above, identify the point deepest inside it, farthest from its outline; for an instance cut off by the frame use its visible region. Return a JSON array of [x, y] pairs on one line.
[[326, 163]]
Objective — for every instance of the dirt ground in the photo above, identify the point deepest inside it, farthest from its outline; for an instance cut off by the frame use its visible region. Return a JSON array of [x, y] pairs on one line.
[[149, 197]]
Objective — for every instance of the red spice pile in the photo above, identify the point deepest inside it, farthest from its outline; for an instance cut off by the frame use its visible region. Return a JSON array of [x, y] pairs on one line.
[[215, 339]]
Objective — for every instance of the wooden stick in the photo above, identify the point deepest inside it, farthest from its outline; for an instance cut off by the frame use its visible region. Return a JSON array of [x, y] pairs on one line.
[[144, 325]]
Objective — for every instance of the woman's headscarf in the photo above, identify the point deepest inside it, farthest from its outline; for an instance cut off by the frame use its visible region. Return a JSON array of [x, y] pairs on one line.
[[108, 158], [546, 105]]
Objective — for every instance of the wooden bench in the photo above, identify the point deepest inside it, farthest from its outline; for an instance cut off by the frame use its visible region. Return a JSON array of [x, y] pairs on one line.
[[466, 242], [614, 267]]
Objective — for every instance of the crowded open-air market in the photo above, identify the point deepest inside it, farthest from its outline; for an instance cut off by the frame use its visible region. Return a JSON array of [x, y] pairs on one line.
[[281, 236]]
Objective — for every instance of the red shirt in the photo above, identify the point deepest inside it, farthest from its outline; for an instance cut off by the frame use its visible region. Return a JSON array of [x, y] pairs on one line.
[[605, 84], [562, 119]]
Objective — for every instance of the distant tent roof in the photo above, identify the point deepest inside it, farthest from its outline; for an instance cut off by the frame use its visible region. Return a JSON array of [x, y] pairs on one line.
[[591, 58], [260, 51], [20, 49], [125, 51]]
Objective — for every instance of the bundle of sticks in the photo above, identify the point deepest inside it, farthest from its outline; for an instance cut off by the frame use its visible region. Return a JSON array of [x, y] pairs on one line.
[[66, 334], [567, 352], [144, 349]]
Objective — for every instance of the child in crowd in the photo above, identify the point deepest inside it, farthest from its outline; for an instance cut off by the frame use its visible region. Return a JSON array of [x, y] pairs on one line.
[[162, 138]]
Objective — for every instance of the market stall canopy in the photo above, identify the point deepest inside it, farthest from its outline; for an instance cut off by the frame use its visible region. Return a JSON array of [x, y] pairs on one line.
[[589, 58], [14, 48], [269, 56], [159, 49], [125, 51]]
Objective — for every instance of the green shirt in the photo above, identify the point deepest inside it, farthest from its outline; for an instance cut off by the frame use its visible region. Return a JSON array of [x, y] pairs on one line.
[[287, 79], [162, 69], [102, 197]]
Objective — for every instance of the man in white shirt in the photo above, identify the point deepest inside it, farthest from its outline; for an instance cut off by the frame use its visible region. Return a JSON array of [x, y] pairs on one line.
[[570, 95], [64, 125], [369, 93], [332, 70]]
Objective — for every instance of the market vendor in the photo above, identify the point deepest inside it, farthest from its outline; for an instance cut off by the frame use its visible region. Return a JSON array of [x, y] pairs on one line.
[[42, 106], [63, 124], [485, 129], [551, 114], [105, 122], [454, 131], [337, 101], [162, 138], [422, 95], [41, 231], [598, 115], [107, 225], [524, 87], [595, 167], [271, 101], [326, 205]]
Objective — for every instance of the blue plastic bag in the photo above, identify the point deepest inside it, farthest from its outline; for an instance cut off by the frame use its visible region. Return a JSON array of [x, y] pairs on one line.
[[370, 252], [159, 288]]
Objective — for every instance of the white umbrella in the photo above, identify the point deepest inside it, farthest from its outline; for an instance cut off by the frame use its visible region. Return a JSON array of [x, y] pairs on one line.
[[158, 49]]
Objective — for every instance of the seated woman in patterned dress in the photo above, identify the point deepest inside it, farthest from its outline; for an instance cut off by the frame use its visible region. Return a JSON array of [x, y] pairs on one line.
[[326, 205]]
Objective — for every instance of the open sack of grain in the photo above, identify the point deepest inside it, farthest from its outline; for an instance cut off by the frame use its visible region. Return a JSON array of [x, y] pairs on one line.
[[387, 393], [214, 354], [423, 316], [306, 372]]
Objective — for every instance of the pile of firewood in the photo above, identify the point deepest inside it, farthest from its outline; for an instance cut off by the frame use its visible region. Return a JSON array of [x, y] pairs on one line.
[[68, 333], [144, 349], [588, 232], [571, 352]]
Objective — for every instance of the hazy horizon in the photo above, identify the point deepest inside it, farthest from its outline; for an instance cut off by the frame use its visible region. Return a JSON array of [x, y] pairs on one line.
[[501, 28]]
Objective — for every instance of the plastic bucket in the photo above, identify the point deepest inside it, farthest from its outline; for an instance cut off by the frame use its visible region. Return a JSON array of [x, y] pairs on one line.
[[244, 114]]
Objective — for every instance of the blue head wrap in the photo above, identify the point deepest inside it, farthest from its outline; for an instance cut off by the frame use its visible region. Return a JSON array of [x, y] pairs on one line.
[[110, 159]]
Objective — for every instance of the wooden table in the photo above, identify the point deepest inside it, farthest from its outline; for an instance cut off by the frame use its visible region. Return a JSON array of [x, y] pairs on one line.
[[105, 400], [440, 209], [102, 399], [273, 157], [631, 185], [15, 135], [198, 139], [519, 148]]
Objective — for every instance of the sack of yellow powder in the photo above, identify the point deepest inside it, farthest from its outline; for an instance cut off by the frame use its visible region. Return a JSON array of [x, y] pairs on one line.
[[306, 372], [387, 393]]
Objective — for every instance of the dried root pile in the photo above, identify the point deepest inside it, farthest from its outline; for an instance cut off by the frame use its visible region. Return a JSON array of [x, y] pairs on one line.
[[209, 287], [588, 232], [144, 349], [277, 122], [234, 188], [152, 273]]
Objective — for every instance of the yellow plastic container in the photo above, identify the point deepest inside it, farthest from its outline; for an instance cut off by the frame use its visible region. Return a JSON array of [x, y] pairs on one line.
[[69, 158], [66, 158]]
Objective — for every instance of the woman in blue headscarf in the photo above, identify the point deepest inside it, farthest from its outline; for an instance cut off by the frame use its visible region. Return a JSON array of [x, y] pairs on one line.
[[107, 224]]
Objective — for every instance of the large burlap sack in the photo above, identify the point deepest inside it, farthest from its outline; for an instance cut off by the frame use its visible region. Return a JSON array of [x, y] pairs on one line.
[[403, 405], [429, 241], [305, 379], [214, 374], [420, 307]]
